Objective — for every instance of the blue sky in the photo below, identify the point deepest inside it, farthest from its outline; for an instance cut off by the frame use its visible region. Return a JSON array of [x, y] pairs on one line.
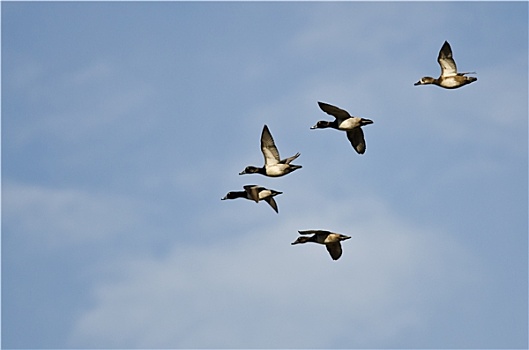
[[123, 124]]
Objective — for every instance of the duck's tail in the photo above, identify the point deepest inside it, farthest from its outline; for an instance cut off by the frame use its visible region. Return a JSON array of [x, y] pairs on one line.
[[290, 159]]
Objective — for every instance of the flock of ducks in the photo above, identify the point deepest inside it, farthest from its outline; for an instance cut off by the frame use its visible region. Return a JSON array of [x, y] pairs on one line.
[[274, 166]]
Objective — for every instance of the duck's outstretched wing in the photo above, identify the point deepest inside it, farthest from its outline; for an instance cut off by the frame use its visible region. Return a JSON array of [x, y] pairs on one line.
[[253, 192], [446, 61], [268, 147], [270, 200], [335, 250], [310, 232], [356, 137], [336, 112]]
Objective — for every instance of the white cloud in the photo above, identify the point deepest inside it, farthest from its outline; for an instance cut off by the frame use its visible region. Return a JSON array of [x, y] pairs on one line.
[[256, 290]]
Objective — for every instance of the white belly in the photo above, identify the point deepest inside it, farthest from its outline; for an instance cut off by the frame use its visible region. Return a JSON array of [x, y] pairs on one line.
[[349, 124], [450, 82], [331, 238], [264, 194], [277, 169]]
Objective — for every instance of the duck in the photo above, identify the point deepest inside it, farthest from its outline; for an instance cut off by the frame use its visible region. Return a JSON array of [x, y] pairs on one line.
[[344, 121], [331, 240], [255, 193], [274, 166], [449, 78]]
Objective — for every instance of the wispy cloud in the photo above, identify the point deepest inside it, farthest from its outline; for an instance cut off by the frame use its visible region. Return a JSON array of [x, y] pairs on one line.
[[258, 291]]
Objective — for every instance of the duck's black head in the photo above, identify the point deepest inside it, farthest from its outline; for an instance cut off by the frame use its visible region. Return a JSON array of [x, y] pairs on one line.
[[425, 81], [322, 124], [234, 194], [302, 239], [250, 170]]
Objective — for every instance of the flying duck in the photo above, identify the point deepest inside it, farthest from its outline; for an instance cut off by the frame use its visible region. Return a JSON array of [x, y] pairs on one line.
[[255, 193], [449, 78], [330, 239], [344, 121], [273, 166]]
